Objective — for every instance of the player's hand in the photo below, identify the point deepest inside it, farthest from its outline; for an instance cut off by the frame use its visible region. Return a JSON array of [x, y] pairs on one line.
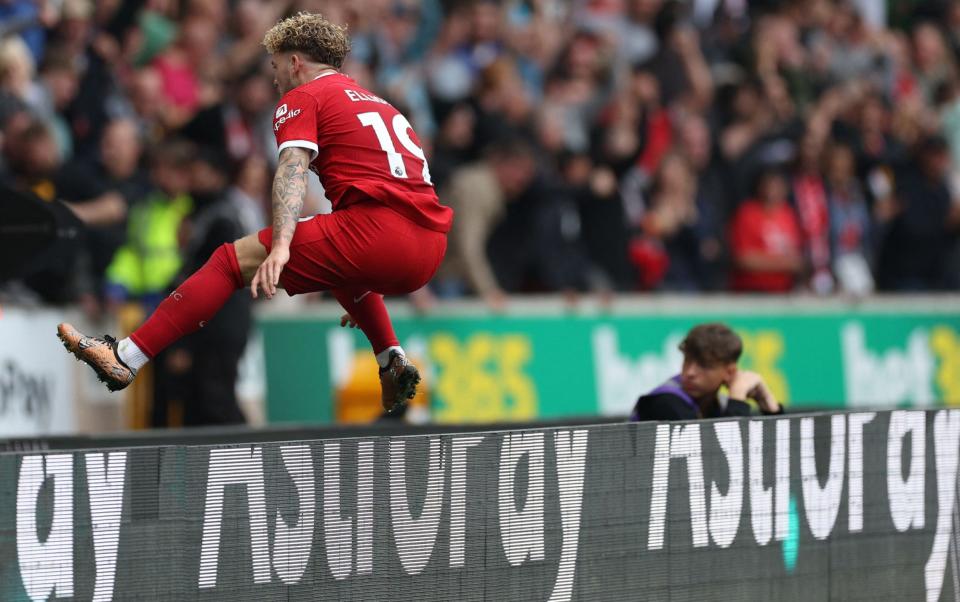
[[268, 274], [347, 319]]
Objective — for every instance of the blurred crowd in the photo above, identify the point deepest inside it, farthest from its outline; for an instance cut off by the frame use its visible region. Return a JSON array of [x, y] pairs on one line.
[[586, 145]]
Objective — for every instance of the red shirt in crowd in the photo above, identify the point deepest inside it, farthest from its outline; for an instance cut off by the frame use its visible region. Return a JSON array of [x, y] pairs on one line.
[[361, 147], [814, 217], [770, 230]]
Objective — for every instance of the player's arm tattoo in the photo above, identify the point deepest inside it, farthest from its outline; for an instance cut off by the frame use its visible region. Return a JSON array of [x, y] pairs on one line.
[[289, 191]]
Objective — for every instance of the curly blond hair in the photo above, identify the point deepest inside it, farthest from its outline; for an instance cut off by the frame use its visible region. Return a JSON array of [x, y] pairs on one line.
[[321, 40]]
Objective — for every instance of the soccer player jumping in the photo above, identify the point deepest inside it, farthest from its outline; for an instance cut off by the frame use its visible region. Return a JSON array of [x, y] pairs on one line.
[[386, 234]]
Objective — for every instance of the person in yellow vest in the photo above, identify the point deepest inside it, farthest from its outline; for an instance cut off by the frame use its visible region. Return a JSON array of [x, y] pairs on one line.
[[145, 266], [197, 381]]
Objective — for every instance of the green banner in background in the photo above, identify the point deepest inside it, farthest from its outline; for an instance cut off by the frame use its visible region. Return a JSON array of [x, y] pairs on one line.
[[525, 365]]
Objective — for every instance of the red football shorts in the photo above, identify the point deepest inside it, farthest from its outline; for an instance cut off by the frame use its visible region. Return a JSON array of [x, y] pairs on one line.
[[366, 246]]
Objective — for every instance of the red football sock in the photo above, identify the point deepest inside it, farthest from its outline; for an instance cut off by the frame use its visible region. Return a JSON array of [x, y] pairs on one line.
[[193, 303], [368, 310]]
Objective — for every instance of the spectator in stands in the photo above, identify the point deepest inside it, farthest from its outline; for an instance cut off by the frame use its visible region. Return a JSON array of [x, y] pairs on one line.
[[632, 134], [933, 64], [602, 228], [679, 64], [201, 370], [669, 252], [914, 254], [148, 105], [60, 85], [181, 65], [876, 148], [948, 109], [479, 195], [17, 71], [749, 118], [250, 192], [115, 172], [710, 355], [536, 247], [630, 120], [504, 107], [695, 144], [485, 43], [236, 117], [581, 82], [35, 165], [32, 157], [455, 143], [450, 76], [97, 63], [144, 267], [809, 190], [765, 239], [401, 43], [851, 231], [249, 19], [29, 19], [632, 27]]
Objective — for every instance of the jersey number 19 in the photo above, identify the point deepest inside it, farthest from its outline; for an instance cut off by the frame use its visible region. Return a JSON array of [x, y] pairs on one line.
[[401, 127]]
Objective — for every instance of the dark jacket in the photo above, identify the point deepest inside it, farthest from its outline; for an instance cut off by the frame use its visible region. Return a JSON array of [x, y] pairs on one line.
[[670, 402], [214, 223]]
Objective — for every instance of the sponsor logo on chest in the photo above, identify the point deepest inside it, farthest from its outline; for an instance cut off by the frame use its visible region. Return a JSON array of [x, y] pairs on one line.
[[283, 114]]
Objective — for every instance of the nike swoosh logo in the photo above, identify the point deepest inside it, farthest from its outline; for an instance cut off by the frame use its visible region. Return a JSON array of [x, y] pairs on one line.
[[360, 298]]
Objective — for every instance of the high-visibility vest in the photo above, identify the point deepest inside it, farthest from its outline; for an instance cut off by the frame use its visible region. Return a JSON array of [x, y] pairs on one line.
[[150, 259]]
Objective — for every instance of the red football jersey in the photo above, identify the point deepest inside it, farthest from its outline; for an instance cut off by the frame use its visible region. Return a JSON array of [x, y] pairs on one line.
[[756, 228], [362, 148]]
